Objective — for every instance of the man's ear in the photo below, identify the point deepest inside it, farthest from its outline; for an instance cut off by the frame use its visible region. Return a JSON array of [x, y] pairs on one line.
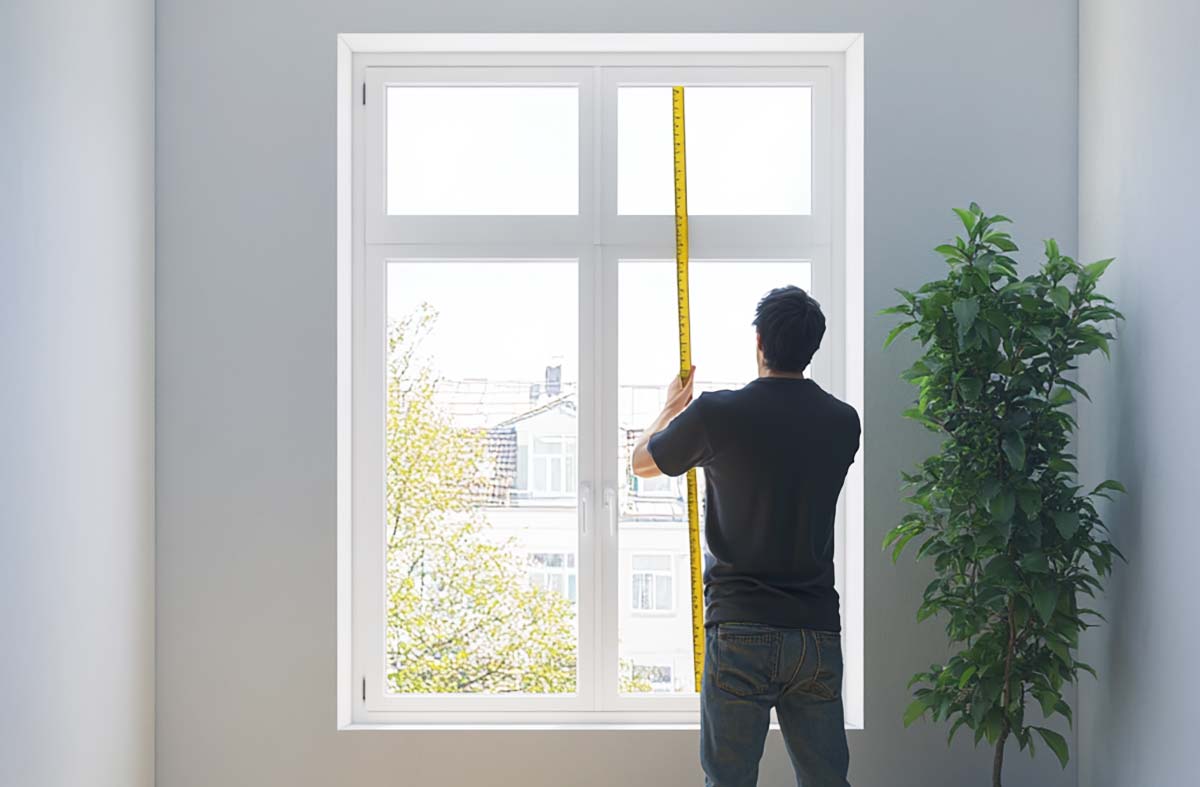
[[758, 340]]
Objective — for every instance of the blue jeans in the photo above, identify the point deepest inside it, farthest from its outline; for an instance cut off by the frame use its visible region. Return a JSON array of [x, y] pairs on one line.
[[749, 669]]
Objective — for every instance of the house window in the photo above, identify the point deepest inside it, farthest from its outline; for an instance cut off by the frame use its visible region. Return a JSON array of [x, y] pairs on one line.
[[507, 321], [655, 677], [554, 572], [659, 486], [554, 459], [653, 583]]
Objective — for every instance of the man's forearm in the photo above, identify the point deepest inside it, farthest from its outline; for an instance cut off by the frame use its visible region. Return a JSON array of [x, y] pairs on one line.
[[641, 460]]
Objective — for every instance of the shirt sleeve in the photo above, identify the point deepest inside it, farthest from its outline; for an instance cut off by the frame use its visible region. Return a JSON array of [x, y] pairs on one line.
[[684, 443]]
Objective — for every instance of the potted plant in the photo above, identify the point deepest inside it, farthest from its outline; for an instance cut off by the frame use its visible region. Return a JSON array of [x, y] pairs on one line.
[[1017, 545]]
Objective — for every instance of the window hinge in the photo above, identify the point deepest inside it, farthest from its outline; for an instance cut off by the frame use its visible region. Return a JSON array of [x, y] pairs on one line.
[[364, 688], [364, 94]]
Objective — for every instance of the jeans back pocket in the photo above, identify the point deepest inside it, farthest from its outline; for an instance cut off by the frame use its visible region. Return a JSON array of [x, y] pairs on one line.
[[747, 658], [827, 674]]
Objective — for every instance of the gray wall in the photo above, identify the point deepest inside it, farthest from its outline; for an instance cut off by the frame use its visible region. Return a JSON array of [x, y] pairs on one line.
[[965, 100], [1139, 192], [77, 393]]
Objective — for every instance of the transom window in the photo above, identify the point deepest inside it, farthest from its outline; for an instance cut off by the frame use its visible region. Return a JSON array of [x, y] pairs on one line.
[[512, 292]]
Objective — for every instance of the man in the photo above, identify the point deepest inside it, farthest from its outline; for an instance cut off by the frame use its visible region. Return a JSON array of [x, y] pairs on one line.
[[775, 455]]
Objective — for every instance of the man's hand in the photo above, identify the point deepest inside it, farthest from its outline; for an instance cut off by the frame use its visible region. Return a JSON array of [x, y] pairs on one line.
[[679, 393]]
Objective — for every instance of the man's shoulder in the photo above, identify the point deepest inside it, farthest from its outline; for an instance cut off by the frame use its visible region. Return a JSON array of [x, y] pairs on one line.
[[843, 412]]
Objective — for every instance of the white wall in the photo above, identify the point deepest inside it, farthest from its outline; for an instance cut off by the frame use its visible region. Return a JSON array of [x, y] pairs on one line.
[[965, 100], [77, 393], [1139, 192]]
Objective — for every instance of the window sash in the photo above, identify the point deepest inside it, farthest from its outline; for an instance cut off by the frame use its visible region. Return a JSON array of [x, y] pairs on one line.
[[388, 229], [597, 238]]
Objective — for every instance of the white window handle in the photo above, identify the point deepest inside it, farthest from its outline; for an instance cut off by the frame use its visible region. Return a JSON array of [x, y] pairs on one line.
[[610, 504], [585, 507]]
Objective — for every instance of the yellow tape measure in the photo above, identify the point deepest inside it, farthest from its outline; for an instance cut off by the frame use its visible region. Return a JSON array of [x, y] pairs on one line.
[[685, 368]]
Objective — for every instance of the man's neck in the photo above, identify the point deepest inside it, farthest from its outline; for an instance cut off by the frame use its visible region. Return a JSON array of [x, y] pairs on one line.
[[783, 375]]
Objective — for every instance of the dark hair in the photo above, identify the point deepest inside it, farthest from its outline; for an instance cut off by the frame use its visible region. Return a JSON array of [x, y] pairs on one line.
[[790, 324]]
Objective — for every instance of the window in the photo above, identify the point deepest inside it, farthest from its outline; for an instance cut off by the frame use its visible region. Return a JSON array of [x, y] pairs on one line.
[[438, 163], [660, 486], [738, 140], [553, 465], [653, 583], [554, 572], [507, 324], [642, 677]]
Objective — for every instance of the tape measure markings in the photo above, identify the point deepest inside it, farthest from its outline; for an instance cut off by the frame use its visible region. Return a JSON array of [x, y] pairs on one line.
[[685, 368]]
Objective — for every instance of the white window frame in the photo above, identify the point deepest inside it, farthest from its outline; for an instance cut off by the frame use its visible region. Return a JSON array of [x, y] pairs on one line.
[[669, 572], [831, 237]]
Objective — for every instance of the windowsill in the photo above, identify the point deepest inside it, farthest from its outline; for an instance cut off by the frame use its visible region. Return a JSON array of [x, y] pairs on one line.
[[541, 727]]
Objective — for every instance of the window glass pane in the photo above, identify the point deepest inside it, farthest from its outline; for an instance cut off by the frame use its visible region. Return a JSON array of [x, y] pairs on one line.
[[462, 364], [653, 527], [662, 591], [459, 150], [749, 150]]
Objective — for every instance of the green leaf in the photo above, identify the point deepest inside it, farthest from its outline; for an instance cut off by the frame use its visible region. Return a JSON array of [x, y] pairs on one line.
[[1035, 563], [1062, 298], [1052, 248], [915, 710], [1042, 333], [899, 329], [950, 252], [1048, 700], [1057, 744], [1002, 506], [968, 219], [1061, 396], [902, 542], [1044, 600], [1014, 450], [1067, 523], [965, 311], [1096, 269], [1077, 388], [1060, 465], [968, 673], [1110, 484], [1030, 501]]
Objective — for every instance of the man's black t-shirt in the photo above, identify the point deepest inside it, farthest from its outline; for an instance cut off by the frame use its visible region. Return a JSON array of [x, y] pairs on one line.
[[775, 455]]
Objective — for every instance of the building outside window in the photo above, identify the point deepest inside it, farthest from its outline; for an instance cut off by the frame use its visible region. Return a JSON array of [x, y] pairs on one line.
[[555, 572], [653, 583]]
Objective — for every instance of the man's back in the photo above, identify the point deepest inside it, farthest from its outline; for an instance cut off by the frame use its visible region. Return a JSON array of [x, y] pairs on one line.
[[775, 455]]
